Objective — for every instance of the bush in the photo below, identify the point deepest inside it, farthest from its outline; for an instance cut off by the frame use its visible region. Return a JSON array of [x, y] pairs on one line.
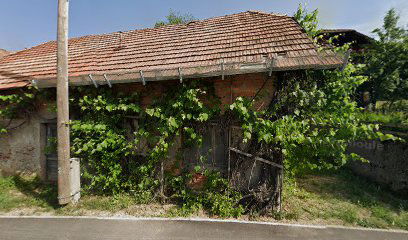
[[215, 196]]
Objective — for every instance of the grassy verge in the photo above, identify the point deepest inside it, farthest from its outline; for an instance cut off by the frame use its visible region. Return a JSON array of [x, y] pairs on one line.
[[345, 199], [337, 198], [30, 196]]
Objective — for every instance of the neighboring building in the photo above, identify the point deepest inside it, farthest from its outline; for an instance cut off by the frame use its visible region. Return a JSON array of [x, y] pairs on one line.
[[236, 53], [359, 40], [360, 43]]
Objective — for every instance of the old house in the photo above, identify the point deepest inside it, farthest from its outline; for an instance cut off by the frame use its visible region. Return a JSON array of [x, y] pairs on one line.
[[237, 53]]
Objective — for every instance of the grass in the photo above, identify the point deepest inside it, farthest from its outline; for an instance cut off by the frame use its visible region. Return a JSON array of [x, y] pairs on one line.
[[17, 192], [339, 198], [29, 195], [397, 122], [395, 118], [345, 199]]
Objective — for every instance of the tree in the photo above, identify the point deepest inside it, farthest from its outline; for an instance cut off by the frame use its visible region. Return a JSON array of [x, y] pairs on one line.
[[387, 61], [175, 18], [308, 21], [313, 117]]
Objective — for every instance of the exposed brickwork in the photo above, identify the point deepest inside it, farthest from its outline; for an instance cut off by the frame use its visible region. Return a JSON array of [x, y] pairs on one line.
[[246, 85]]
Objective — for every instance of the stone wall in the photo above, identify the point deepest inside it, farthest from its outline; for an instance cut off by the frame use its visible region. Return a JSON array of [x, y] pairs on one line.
[[19, 150], [388, 163], [22, 147]]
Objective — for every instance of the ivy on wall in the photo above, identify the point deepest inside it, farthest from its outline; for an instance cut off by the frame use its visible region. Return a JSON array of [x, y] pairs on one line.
[[113, 163], [15, 106], [308, 125], [311, 122]]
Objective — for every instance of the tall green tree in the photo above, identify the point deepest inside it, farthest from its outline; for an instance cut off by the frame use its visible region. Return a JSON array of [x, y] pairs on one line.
[[175, 18], [387, 61]]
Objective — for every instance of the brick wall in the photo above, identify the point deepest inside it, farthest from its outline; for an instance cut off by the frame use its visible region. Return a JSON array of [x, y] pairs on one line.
[[246, 85]]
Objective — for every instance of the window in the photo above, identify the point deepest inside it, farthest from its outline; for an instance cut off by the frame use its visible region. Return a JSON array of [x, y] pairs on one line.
[[212, 154]]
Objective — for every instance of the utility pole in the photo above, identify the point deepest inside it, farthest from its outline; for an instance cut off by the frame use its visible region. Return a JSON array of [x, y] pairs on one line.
[[65, 193]]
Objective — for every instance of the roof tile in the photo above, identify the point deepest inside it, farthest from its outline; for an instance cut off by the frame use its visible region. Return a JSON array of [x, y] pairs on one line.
[[247, 36]]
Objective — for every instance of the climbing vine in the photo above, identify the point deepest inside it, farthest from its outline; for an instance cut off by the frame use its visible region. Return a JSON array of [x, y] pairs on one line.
[[312, 120], [98, 137], [125, 147], [118, 159], [16, 105]]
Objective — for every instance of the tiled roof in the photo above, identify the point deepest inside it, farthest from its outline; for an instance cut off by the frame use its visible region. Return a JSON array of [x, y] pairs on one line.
[[244, 37], [4, 52]]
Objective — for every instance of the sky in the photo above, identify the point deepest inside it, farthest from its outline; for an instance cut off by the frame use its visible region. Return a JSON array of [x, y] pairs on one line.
[[27, 23]]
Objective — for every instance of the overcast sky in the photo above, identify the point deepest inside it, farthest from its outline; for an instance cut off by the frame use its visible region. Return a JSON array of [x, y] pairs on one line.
[[26, 23]]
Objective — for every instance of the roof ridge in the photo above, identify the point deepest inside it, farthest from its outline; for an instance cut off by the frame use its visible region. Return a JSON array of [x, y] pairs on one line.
[[152, 28], [267, 13]]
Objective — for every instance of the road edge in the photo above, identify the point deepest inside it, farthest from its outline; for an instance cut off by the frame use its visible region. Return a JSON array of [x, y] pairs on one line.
[[129, 218]]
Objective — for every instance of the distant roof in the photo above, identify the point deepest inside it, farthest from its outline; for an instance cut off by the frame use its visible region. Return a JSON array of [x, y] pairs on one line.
[[353, 31], [248, 37]]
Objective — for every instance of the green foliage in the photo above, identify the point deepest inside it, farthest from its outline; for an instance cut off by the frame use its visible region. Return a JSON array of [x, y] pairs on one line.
[[342, 197], [14, 104], [395, 118], [175, 113], [216, 196], [308, 21], [100, 140], [175, 18], [387, 62], [313, 121], [111, 161], [396, 106]]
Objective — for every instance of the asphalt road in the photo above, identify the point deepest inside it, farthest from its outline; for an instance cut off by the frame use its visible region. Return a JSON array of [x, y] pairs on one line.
[[16, 228]]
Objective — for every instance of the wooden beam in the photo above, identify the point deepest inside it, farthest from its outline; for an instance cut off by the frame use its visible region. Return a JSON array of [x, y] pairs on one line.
[[93, 81], [142, 77], [256, 158], [271, 67], [107, 80], [222, 69], [64, 179], [163, 75], [34, 83], [180, 75], [346, 60]]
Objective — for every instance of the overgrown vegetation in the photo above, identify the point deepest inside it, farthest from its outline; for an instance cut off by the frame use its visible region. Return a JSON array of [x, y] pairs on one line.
[[117, 159], [308, 20], [335, 198], [387, 62], [310, 126], [175, 18], [15, 105], [342, 198], [125, 149]]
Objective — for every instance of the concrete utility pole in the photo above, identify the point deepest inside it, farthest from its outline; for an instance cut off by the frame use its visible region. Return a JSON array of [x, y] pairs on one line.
[[65, 190]]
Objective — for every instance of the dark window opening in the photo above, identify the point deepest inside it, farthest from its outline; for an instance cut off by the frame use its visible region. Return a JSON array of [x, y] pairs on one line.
[[212, 154]]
